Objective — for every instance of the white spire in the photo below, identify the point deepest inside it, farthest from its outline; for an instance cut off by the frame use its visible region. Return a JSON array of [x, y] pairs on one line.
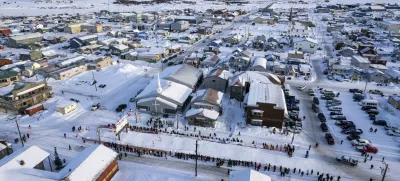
[[159, 89]]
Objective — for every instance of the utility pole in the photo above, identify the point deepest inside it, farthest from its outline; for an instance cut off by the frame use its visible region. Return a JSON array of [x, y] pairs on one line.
[[98, 134], [294, 132], [19, 132], [384, 172], [177, 121], [195, 169], [94, 81]]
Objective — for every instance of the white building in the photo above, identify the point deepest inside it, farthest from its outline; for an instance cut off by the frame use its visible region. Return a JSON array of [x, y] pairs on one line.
[[299, 30], [259, 64], [306, 45]]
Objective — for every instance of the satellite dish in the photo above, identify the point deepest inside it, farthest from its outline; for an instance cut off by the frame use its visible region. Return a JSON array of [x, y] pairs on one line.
[[16, 98]]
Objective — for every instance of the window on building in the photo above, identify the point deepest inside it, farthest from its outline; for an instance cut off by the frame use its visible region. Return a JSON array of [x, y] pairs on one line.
[[13, 78], [213, 80]]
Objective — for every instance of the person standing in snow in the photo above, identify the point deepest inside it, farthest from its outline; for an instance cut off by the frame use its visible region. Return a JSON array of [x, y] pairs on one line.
[[65, 135], [69, 146]]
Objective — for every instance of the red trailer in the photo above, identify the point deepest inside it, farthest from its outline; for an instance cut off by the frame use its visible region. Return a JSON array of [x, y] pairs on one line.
[[34, 109]]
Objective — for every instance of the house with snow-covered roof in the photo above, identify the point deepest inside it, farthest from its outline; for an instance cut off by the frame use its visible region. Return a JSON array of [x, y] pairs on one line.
[[259, 64], [162, 96], [202, 117], [210, 61], [207, 99], [217, 79], [306, 45], [184, 74], [394, 100], [265, 105], [96, 162], [240, 82]]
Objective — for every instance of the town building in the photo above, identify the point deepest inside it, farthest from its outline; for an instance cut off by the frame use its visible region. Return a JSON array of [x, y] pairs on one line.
[[21, 95], [306, 45], [360, 62], [265, 105], [180, 26], [394, 100], [8, 77], [17, 41], [66, 107], [217, 79]]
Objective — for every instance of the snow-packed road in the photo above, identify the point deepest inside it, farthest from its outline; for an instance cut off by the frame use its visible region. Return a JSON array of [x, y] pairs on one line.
[[206, 170]]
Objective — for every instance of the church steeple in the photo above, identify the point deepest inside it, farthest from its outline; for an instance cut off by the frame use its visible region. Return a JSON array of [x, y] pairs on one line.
[[159, 89]]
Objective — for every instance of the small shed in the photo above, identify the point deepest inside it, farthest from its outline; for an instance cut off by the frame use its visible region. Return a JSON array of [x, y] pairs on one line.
[[34, 109], [66, 107]]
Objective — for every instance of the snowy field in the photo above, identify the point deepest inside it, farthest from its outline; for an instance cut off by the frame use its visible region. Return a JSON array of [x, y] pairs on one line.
[[138, 172], [30, 7]]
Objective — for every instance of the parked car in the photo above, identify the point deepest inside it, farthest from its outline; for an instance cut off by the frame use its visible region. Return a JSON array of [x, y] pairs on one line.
[[372, 117], [302, 87], [316, 100], [358, 97], [121, 108], [376, 92], [321, 117], [336, 113], [380, 122], [334, 108], [347, 160], [373, 111], [389, 127], [334, 100], [333, 104], [293, 108], [315, 108], [329, 138], [324, 127], [356, 91], [366, 108], [327, 97], [353, 137], [95, 107], [393, 133], [360, 142], [338, 117], [343, 122], [367, 149], [352, 131], [75, 100]]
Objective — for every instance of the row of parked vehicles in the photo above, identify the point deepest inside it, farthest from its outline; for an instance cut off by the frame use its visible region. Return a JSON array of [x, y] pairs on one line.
[[294, 124]]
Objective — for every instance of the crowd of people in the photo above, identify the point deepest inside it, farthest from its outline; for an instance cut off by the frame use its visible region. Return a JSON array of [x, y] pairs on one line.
[[284, 171]]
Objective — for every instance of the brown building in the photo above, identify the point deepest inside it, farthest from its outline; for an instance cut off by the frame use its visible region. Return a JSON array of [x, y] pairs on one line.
[[102, 162], [8, 77], [265, 105], [240, 83], [5, 61], [100, 63], [24, 95]]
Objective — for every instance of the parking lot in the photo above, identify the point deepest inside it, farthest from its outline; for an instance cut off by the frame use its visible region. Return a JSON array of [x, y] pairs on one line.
[[362, 125]]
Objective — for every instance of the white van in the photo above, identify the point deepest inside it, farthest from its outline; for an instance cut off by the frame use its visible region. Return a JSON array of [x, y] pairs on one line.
[[287, 89], [335, 109], [370, 103]]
